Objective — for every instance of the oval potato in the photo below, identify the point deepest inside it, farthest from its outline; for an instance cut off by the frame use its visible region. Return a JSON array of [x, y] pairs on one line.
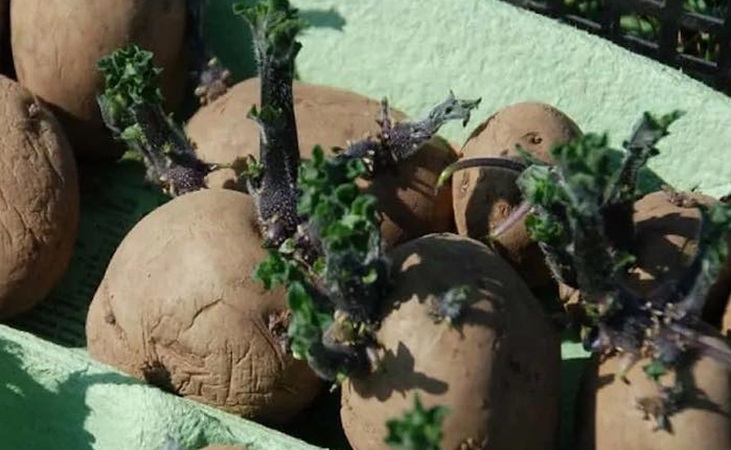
[[484, 197], [608, 417], [39, 200], [57, 44], [179, 308], [331, 117], [665, 242], [497, 370]]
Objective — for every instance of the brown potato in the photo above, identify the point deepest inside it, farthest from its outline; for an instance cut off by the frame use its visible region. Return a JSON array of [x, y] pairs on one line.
[[484, 197], [179, 308], [497, 370], [665, 243], [611, 419], [326, 116], [330, 117], [56, 46], [39, 200]]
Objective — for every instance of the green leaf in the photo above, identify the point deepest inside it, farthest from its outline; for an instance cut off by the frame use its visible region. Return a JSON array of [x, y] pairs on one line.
[[418, 429]]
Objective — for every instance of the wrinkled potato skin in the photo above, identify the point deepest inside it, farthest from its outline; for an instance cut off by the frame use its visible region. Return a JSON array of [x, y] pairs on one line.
[[57, 44], [39, 200], [331, 117], [498, 372], [665, 243], [179, 291], [483, 198], [609, 421]]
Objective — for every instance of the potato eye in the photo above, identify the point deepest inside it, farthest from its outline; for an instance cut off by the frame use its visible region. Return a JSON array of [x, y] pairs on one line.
[[533, 138]]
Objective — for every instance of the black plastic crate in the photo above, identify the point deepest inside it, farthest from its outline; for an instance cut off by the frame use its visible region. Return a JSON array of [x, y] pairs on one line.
[[691, 35]]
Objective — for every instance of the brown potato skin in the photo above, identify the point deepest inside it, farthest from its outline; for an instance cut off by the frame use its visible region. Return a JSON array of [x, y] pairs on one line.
[[483, 198], [56, 46], [609, 420], [179, 291], [498, 371], [39, 200], [665, 243], [331, 117]]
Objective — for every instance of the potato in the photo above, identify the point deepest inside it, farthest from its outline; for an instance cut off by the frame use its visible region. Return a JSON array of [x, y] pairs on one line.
[[484, 197], [611, 420], [325, 116], [497, 370], [56, 46], [665, 243], [39, 201], [330, 117], [179, 308]]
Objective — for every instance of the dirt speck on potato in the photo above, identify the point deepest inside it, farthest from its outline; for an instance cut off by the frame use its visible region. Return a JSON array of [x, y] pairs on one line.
[[484, 197], [179, 308], [39, 200]]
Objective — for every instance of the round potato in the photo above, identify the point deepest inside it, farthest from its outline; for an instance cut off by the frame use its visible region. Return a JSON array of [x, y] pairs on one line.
[[331, 117], [484, 197], [610, 412], [56, 46], [178, 307], [39, 200], [496, 369], [665, 243]]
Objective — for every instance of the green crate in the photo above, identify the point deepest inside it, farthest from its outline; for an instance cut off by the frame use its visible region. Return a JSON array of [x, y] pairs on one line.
[[53, 396]]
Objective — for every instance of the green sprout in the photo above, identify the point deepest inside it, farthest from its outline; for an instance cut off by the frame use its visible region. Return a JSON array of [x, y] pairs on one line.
[[418, 429]]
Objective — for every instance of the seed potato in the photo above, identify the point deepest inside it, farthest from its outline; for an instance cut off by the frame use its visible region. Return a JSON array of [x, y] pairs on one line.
[[39, 200], [57, 44], [331, 117], [179, 308], [484, 197], [497, 370]]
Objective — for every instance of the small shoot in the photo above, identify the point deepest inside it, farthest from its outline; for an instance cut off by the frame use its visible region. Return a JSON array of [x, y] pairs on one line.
[[131, 107], [451, 306], [582, 217], [275, 26], [333, 267], [418, 429], [212, 79], [399, 141]]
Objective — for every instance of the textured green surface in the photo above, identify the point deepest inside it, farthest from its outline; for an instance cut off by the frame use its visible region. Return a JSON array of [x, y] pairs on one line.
[[411, 51], [54, 398]]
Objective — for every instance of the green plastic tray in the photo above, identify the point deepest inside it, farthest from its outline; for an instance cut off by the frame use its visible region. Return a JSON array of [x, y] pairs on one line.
[[54, 397]]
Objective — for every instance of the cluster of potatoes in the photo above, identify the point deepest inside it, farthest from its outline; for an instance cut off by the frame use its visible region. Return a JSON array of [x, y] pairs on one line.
[[178, 306]]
